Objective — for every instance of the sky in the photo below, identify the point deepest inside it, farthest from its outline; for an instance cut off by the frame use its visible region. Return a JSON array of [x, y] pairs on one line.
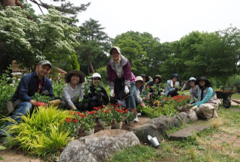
[[169, 20]]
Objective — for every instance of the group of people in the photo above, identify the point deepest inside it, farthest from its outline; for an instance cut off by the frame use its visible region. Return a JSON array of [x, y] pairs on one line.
[[125, 88]]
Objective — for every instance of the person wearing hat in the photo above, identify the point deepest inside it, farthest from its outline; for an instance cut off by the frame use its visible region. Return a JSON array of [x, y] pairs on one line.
[[194, 89], [207, 103], [145, 80], [156, 80], [172, 86], [73, 90], [138, 83], [120, 77], [98, 97], [35, 82]]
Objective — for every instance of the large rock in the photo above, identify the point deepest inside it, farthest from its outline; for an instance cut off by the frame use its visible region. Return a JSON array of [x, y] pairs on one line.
[[99, 146], [156, 128], [183, 118], [192, 115]]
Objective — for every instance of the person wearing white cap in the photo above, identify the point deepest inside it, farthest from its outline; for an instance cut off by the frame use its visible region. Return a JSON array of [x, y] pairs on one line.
[[194, 89], [98, 95], [120, 77]]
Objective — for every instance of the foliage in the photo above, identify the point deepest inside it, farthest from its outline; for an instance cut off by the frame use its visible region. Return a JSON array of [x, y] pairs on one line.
[[73, 64], [119, 113], [97, 87], [94, 43], [40, 133], [58, 88], [131, 115], [71, 125], [87, 85], [103, 72], [50, 38], [41, 98], [87, 120], [105, 114]]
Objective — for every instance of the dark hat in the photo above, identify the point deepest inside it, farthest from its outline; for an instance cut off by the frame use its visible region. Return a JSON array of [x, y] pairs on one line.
[[207, 83], [72, 72], [175, 75], [143, 75], [157, 77]]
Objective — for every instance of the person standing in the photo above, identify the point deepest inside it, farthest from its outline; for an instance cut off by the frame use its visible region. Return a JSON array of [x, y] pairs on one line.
[[120, 77]]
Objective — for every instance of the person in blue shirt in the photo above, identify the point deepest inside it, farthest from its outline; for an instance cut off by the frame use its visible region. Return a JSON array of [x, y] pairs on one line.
[[28, 86], [207, 103], [172, 86]]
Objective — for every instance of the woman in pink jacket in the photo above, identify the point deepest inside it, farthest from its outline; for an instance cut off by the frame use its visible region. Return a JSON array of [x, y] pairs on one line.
[[121, 79]]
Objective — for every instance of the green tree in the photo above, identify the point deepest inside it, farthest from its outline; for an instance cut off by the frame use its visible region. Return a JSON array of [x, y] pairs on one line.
[[73, 63], [23, 40], [94, 44]]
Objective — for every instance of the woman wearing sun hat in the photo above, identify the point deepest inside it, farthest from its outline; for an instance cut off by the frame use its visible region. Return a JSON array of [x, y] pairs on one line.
[[73, 90], [120, 77], [207, 103], [194, 89], [172, 86], [97, 98]]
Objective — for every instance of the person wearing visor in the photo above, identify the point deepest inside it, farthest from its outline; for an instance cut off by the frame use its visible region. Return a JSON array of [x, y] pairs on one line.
[[172, 86], [35, 82], [121, 79], [98, 95], [73, 90], [207, 103], [194, 89]]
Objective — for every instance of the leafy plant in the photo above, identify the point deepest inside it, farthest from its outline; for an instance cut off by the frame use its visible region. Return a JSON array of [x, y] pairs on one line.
[[87, 84], [40, 133], [58, 88], [106, 115], [87, 120], [130, 116], [41, 98]]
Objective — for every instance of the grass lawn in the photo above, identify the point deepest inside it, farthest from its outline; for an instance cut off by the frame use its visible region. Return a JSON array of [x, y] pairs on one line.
[[236, 96], [200, 147]]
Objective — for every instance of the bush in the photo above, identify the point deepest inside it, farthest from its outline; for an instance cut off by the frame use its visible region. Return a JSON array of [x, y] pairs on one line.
[[234, 81], [103, 72], [40, 133]]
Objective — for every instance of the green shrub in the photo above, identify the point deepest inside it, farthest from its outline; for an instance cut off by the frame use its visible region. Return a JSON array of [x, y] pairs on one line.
[[234, 81], [40, 133], [103, 72]]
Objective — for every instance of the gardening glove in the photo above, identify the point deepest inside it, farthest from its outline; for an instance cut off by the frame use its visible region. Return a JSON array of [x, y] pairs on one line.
[[126, 90], [112, 94], [94, 98], [41, 104]]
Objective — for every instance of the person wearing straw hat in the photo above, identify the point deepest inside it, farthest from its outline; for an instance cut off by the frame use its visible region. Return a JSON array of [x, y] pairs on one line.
[[138, 83], [121, 79], [98, 95], [172, 86], [35, 82], [73, 90], [194, 89], [207, 103]]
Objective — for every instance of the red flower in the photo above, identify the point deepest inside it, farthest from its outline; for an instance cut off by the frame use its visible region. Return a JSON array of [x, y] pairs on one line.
[[75, 120], [83, 115]]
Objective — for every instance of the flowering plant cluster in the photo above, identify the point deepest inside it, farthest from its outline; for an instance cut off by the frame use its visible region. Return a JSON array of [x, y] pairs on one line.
[[105, 114], [87, 120], [131, 115], [119, 113], [71, 124], [178, 100]]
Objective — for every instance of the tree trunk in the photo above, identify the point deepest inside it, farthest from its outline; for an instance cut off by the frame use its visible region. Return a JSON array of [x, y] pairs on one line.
[[89, 63]]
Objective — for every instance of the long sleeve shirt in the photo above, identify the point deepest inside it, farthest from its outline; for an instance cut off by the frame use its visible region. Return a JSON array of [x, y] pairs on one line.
[[136, 94], [93, 93], [194, 93], [29, 85], [70, 95], [171, 88]]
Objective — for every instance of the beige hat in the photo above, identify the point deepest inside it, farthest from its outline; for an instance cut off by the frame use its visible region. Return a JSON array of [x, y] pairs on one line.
[[116, 48], [45, 62], [139, 78]]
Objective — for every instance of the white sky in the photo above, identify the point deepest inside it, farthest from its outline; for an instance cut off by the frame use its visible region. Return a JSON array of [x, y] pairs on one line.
[[168, 20]]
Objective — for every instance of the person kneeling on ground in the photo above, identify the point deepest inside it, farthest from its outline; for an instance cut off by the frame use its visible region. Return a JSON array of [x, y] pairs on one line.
[[172, 86], [194, 89], [29, 85], [73, 90], [98, 95], [207, 103], [156, 80], [138, 83]]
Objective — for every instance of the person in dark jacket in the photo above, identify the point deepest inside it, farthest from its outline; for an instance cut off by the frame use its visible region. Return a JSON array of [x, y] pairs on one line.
[[156, 80], [29, 85], [98, 95]]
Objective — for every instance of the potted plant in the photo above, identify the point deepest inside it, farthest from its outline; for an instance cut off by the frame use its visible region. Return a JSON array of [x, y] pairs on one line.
[[72, 125], [87, 91], [118, 114], [106, 117], [87, 121], [131, 116]]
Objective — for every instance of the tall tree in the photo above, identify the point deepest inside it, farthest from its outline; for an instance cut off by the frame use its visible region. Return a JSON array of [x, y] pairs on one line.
[[94, 44], [25, 41]]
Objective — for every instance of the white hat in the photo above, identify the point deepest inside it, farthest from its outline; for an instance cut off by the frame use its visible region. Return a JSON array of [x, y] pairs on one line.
[[116, 48], [139, 78], [192, 79], [96, 75], [45, 62]]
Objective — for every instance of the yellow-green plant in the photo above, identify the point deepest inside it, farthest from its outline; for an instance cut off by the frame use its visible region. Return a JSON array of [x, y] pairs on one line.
[[40, 133]]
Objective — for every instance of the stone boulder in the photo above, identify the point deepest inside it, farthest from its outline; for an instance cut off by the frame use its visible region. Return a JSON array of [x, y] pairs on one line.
[[156, 128], [192, 115], [183, 118], [99, 146]]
